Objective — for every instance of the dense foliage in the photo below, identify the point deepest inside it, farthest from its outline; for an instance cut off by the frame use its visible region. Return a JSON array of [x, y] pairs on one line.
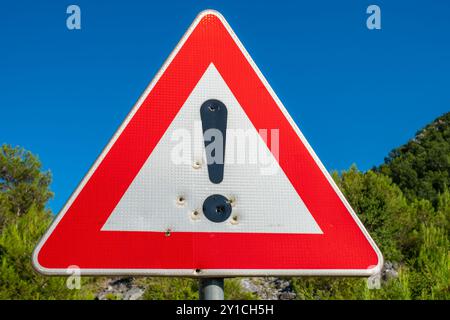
[[421, 168], [404, 203], [413, 236], [24, 190], [22, 183]]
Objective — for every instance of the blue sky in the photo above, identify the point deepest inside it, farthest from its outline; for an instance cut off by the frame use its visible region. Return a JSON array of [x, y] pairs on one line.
[[355, 93]]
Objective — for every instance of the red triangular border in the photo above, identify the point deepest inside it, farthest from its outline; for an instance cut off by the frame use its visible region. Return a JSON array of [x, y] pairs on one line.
[[76, 237]]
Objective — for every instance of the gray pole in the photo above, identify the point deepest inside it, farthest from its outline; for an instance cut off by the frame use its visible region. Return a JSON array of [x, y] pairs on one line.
[[211, 289]]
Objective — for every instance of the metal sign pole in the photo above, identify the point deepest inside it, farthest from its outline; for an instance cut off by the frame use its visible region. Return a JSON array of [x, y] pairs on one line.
[[211, 289]]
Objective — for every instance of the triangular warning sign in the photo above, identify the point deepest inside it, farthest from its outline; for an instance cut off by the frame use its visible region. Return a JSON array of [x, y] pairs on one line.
[[155, 204]]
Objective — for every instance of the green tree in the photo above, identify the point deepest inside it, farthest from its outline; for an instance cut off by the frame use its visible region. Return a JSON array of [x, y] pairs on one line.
[[412, 234], [381, 206], [22, 183], [18, 280], [384, 211], [24, 191], [431, 268], [421, 167]]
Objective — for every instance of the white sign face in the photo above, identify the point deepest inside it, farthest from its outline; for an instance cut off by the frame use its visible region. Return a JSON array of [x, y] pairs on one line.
[[170, 171]]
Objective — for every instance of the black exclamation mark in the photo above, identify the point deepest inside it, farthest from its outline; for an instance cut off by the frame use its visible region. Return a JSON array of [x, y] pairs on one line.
[[214, 123], [213, 113]]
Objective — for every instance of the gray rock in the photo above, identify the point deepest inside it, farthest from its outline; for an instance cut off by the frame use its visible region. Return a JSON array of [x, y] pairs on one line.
[[287, 295], [133, 294], [120, 288], [389, 271], [269, 288], [249, 286]]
